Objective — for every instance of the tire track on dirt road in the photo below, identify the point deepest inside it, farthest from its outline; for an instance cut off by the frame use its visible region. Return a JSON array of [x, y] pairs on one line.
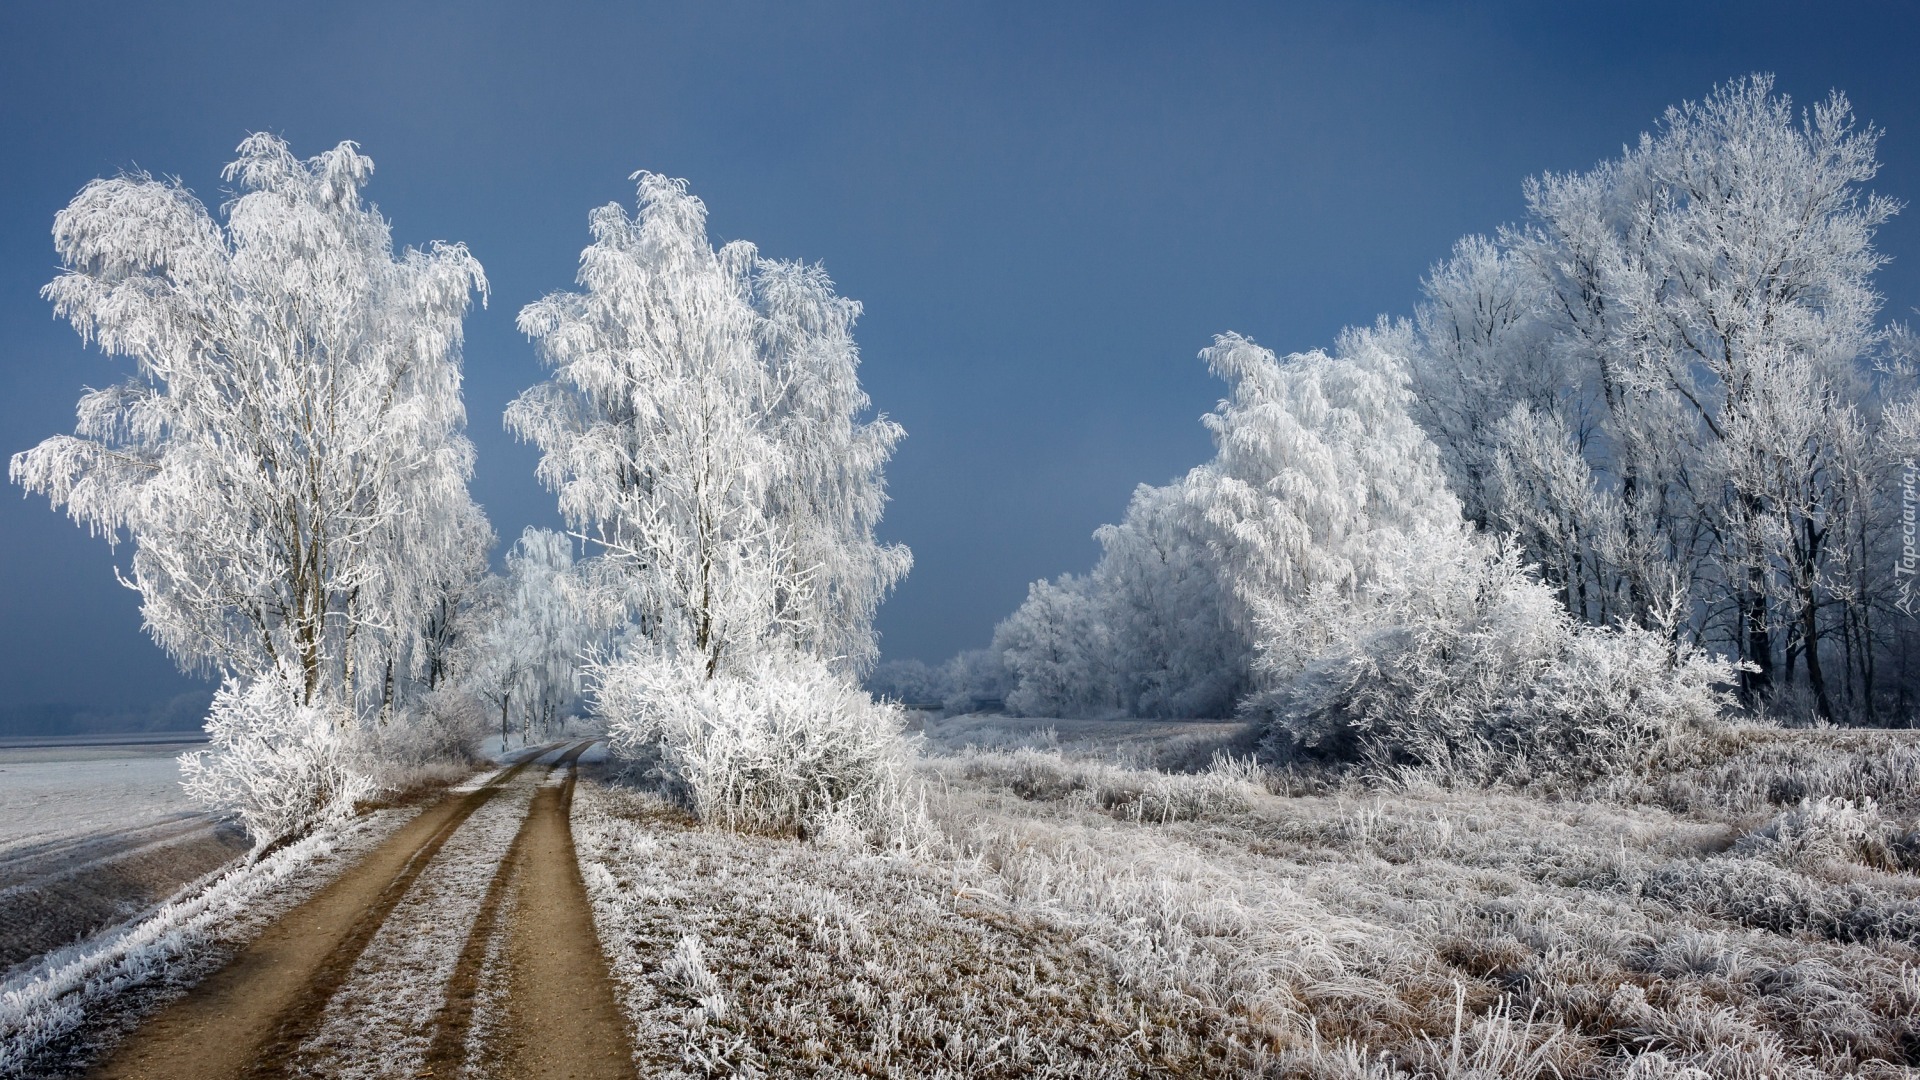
[[562, 1018], [246, 1019]]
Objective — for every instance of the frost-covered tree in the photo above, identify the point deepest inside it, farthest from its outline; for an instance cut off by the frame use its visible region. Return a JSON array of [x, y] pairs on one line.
[[1149, 633], [703, 427], [545, 609], [1665, 379], [1387, 630], [830, 492], [282, 764], [1481, 353], [455, 595], [1322, 487], [535, 630], [497, 654], [288, 459], [1175, 650], [1057, 647]]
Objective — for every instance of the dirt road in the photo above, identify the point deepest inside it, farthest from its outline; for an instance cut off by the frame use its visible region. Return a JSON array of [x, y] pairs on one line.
[[462, 946]]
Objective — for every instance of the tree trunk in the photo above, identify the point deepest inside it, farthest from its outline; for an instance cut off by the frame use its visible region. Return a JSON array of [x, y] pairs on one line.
[[1809, 633], [1757, 683]]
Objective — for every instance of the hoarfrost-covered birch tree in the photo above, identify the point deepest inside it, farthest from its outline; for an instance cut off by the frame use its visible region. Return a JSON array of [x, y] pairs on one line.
[[288, 459], [1322, 488], [703, 427], [1058, 648]]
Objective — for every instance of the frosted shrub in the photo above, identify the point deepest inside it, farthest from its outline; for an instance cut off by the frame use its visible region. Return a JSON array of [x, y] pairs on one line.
[[1480, 674], [781, 742], [283, 767], [1227, 787], [439, 736]]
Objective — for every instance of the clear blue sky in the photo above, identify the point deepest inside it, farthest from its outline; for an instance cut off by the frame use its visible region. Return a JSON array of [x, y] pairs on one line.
[[1047, 209]]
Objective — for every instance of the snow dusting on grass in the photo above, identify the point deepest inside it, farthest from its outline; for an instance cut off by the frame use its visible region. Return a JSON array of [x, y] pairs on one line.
[[1078, 917]]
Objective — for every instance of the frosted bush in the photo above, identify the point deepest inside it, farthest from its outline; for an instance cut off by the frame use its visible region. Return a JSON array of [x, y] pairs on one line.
[[440, 735], [778, 743], [1386, 630], [281, 766], [1479, 673], [1227, 787]]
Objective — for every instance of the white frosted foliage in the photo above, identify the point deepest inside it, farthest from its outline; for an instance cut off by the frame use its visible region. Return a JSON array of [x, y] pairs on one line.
[[703, 427], [288, 459], [281, 765]]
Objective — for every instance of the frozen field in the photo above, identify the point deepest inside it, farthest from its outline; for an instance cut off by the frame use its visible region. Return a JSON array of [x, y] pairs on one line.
[[92, 833], [1074, 911], [1088, 900], [53, 793]]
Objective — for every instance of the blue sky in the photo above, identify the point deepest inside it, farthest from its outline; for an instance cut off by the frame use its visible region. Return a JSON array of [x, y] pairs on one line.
[[1047, 210]]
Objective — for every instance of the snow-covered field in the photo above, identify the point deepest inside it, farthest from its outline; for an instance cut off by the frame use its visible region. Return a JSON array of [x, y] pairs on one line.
[[54, 793], [1751, 911], [93, 834]]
